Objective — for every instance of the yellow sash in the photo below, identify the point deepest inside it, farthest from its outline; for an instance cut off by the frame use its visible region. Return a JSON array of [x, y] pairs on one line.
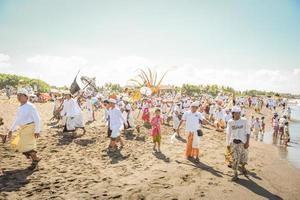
[[24, 140]]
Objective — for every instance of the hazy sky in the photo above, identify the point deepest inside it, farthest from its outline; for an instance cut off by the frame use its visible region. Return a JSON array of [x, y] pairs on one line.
[[249, 44]]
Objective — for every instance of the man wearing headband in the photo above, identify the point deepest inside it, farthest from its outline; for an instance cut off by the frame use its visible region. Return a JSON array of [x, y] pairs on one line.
[[28, 127], [193, 119], [90, 108], [116, 124], [73, 113]]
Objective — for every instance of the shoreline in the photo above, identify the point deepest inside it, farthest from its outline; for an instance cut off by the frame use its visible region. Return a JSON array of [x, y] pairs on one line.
[[291, 151]]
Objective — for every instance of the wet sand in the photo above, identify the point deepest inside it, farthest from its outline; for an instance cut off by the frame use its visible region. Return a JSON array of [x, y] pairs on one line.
[[81, 168], [290, 152]]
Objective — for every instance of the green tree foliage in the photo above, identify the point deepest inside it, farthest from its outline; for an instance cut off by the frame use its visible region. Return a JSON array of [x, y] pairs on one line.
[[259, 93], [111, 87], [213, 90], [19, 81]]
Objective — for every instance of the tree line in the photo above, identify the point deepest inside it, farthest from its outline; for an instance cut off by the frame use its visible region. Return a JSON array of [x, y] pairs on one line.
[[214, 90], [187, 89], [20, 81]]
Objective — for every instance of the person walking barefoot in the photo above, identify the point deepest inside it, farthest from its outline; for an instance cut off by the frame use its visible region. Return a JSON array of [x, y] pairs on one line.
[[28, 127], [237, 138], [155, 132]]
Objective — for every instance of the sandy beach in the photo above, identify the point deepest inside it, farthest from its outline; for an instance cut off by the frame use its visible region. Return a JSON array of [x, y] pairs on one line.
[[81, 168], [201, 65]]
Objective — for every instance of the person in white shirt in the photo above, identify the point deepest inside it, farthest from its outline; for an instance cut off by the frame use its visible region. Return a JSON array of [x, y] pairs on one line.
[[176, 121], [275, 124], [73, 113], [164, 108], [237, 139], [243, 112], [28, 127], [282, 122], [254, 101], [90, 108], [56, 109], [192, 119], [252, 120], [128, 110], [212, 109], [256, 127], [186, 105], [289, 113], [219, 119], [116, 124], [105, 105], [228, 116]]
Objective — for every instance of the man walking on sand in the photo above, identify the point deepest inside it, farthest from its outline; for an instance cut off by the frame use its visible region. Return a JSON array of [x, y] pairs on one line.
[[90, 108], [73, 113], [238, 135], [28, 127], [193, 119], [116, 125]]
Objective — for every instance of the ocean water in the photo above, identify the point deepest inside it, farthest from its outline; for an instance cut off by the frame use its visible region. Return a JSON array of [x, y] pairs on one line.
[[292, 151]]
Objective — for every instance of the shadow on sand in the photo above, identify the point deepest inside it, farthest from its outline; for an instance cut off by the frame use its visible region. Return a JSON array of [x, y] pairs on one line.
[[257, 189], [66, 139], [161, 156], [84, 142], [116, 156], [69, 137], [129, 135], [203, 166], [14, 180], [140, 138], [254, 175], [181, 139]]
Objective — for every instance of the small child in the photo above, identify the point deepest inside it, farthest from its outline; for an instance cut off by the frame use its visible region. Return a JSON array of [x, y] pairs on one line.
[[286, 134], [155, 132], [146, 114], [252, 121], [176, 121], [256, 128], [263, 124]]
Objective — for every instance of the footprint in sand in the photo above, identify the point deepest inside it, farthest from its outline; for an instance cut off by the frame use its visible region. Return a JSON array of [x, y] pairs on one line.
[[158, 184], [186, 178]]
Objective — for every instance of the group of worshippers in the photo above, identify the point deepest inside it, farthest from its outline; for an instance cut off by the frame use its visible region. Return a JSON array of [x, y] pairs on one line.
[[237, 132], [198, 112], [27, 124], [280, 119], [280, 124], [118, 116], [258, 127]]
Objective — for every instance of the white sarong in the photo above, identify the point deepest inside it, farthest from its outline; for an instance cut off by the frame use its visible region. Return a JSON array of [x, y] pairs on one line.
[[74, 122]]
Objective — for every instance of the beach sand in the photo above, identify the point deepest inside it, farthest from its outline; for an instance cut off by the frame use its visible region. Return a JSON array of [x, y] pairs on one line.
[[81, 168]]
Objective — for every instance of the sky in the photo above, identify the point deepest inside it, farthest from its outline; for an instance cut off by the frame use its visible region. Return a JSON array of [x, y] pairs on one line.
[[249, 44]]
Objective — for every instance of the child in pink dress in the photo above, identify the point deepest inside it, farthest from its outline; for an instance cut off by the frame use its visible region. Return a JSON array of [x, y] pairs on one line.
[[155, 132], [146, 114]]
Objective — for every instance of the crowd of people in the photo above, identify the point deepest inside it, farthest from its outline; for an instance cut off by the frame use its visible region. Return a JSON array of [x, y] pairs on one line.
[[225, 113]]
